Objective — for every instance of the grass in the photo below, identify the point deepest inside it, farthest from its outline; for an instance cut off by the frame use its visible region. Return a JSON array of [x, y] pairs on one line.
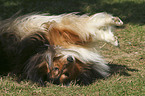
[[126, 62]]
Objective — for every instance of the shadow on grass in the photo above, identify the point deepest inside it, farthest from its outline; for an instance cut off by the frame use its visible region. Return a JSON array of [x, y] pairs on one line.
[[120, 69], [129, 11]]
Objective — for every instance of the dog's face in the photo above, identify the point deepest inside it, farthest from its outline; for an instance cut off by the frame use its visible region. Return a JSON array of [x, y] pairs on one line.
[[65, 69], [68, 69]]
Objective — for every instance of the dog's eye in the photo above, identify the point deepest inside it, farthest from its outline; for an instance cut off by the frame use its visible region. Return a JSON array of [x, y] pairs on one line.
[[55, 68], [70, 59]]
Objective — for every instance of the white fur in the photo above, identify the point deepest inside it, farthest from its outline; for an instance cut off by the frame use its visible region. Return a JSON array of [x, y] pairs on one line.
[[87, 56], [99, 26]]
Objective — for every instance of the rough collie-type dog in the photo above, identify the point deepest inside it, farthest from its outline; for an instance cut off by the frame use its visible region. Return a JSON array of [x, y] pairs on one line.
[[58, 49]]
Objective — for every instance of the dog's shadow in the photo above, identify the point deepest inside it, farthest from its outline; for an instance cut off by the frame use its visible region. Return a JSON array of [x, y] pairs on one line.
[[115, 69], [120, 69]]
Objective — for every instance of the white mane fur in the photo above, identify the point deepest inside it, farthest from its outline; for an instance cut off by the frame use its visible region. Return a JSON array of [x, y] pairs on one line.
[[99, 25], [87, 56]]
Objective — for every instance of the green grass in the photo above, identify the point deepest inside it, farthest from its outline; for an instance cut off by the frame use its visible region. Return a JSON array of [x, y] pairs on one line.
[[126, 62]]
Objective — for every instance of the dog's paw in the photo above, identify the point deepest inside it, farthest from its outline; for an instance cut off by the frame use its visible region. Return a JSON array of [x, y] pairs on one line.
[[116, 21]]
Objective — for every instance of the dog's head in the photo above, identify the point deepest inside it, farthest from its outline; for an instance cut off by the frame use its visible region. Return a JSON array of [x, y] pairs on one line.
[[65, 70], [46, 66], [52, 66], [72, 65]]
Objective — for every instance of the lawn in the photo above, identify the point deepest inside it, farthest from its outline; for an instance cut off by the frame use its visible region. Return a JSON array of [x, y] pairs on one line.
[[127, 62]]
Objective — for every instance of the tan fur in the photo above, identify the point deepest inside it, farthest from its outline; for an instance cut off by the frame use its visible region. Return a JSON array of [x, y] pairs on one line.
[[40, 45], [72, 69], [64, 36]]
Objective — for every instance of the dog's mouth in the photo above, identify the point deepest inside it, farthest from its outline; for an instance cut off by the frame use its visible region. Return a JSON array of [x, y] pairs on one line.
[[59, 77], [62, 75]]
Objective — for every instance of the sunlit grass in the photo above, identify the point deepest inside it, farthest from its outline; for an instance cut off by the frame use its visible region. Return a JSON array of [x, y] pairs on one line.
[[127, 62]]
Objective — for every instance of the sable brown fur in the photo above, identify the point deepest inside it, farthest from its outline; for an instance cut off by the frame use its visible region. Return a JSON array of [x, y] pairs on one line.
[[57, 49], [65, 36]]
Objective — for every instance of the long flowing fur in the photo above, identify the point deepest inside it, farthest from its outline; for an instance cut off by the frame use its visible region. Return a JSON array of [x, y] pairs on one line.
[[58, 49], [89, 61]]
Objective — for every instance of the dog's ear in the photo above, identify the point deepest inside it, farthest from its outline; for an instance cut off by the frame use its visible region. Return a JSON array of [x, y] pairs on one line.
[[42, 48], [38, 66], [30, 46], [34, 43]]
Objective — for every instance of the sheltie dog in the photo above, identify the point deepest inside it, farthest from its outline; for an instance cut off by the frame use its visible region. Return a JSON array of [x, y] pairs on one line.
[[58, 49]]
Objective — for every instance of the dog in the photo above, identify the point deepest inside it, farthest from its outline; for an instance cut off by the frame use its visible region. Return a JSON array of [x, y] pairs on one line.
[[59, 49]]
